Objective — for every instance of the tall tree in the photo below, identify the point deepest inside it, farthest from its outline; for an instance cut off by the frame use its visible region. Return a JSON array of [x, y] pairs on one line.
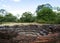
[[1, 18], [58, 18], [56, 8], [10, 18], [27, 17], [3, 12], [42, 6], [46, 14]]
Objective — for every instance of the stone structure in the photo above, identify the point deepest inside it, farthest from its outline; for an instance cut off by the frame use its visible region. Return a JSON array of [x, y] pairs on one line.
[[30, 34]]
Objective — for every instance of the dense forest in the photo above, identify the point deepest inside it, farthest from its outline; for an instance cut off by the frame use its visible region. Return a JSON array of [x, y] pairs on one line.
[[44, 14]]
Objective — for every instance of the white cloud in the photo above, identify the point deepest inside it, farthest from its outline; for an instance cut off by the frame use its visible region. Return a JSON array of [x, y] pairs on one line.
[[16, 0]]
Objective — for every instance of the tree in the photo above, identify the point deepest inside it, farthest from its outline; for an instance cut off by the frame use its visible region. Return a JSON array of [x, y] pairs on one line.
[[1, 19], [58, 18], [42, 6], [46, 14], [27, 17], [3, 12], [39, 7], [57, 8], [10, 18]]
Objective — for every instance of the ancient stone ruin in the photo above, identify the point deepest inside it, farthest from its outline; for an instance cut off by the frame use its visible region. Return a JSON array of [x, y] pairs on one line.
[[30, 34]]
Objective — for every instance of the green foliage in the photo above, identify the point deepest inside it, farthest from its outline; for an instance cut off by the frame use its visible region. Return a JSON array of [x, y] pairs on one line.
[[27, 17], [58, 18], [46, 14], [10, 18], [1, 19], [42, 6]]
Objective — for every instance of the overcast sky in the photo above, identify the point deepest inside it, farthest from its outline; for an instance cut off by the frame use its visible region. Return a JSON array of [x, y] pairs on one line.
[[20, 6]]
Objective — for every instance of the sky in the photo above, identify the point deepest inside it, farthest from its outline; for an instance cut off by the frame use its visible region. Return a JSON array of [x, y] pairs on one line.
[[20, 6]]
